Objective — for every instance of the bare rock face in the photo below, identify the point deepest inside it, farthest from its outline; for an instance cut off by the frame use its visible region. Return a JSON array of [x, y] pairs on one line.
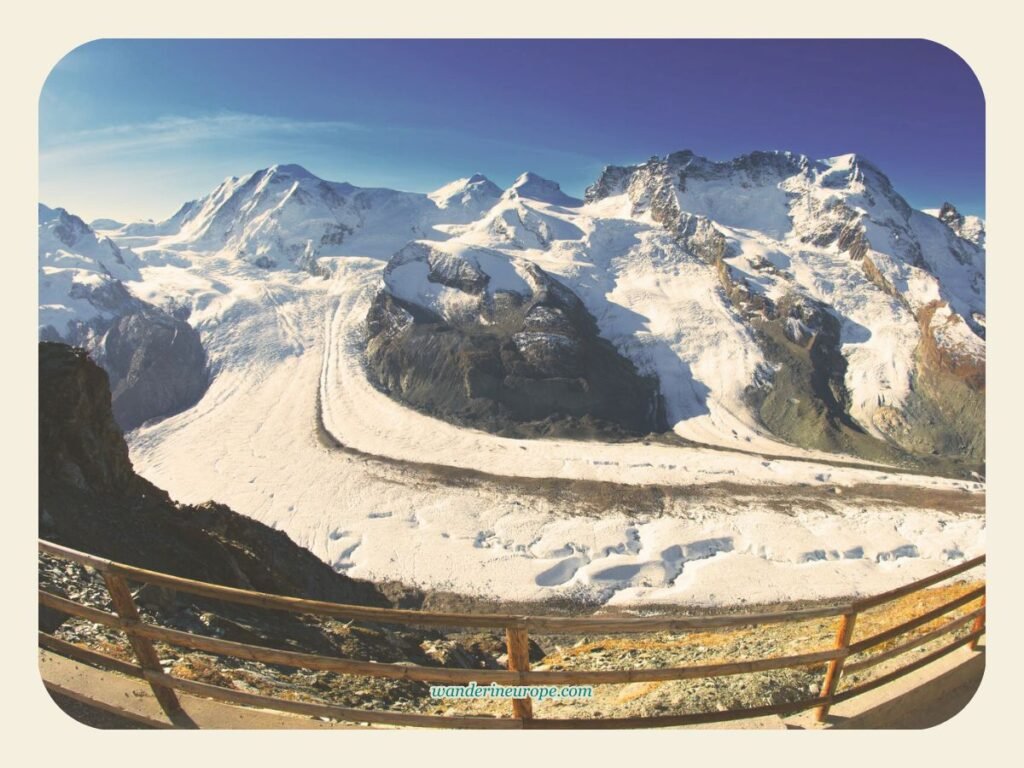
[[74, 398], [155, 361], [91, 499], [156, 364], [485, 340]]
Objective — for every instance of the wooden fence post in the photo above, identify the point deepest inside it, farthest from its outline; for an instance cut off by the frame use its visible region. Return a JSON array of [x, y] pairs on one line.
[[977, 626], [124, 604], [835, 667], [518, 643]]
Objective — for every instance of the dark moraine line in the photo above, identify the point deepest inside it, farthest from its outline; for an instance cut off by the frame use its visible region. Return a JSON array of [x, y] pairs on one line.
[[598, 496]]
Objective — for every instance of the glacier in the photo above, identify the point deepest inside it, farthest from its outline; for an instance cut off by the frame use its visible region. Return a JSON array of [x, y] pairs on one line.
[[279, 268]]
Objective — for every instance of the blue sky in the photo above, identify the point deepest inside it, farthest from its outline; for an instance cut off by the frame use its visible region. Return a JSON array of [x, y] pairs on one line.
[[132, 128]]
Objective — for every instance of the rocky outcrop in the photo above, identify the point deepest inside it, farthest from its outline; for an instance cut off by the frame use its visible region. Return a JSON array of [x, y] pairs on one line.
[[970, 228], [156, 364], [156, 361], [835, 222], [945, 413], [91, 499], [487, 341]]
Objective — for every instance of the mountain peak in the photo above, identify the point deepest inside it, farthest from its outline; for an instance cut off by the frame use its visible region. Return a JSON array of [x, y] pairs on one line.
[[286, 170], [950, 215], [970, 228], [46, 213], [851, 159], [476, 192], [66, 227], [535, 187]]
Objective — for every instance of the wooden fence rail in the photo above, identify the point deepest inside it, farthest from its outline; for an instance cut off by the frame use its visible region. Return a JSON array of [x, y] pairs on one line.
[[141, 636]]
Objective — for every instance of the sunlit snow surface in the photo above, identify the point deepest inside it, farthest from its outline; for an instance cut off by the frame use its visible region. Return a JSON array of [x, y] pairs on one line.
[[281, 341]]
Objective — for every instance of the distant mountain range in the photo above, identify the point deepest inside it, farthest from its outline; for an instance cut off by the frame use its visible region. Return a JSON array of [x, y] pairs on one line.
[[770, 297]]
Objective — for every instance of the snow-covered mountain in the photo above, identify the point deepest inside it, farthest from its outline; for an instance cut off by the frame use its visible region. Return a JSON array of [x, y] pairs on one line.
[[382, 363], [773, 296], [533, 187], [488, 339], [155, 360], [285, 217], [467, 198]]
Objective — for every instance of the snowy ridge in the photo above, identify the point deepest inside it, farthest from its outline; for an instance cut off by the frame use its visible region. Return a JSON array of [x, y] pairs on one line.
[[453, 280], [80, 274], [285, 217], [473, 195], [533, 187]]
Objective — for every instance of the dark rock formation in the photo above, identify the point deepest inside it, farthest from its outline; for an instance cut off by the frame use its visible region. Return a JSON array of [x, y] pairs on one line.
[[155, 360], [91, 499], [525, 363], [951, 217], [156, 364]]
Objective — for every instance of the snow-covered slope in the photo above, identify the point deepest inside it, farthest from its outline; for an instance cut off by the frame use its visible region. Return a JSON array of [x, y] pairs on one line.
[[80, 274], [794, 240], [797, 315], [384, 510], [154, 359], [466, 199], [285, 217]]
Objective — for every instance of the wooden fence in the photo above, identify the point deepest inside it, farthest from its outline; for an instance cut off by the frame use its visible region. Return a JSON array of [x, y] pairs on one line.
[[517, 630]]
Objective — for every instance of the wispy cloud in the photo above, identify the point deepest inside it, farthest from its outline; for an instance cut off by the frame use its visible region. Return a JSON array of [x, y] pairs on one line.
[[146, 169], [181, 132]]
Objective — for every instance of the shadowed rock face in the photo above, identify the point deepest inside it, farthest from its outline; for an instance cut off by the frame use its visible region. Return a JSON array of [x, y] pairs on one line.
[[524, 362], [156, 364], [91, 499], [155, 361]]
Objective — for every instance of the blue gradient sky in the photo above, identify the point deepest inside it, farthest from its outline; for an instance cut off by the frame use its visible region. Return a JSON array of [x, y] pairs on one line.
[[132, 128]]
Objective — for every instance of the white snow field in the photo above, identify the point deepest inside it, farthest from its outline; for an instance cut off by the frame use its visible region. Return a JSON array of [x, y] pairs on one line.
[[285, 345]]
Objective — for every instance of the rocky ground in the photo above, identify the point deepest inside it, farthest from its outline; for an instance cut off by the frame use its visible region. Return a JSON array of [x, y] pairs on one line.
[[483, 651]]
